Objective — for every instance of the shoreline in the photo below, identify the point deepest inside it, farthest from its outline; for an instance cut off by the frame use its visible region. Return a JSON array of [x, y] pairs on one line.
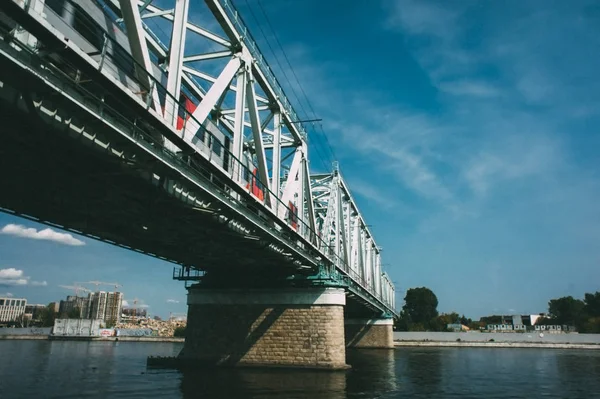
[[80, 338], [473, 344]]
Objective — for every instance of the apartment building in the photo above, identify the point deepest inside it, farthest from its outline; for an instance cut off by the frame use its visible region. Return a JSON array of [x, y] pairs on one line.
[[12, 308]]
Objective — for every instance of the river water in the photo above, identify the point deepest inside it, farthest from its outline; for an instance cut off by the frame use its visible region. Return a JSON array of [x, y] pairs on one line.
[[46, 369]]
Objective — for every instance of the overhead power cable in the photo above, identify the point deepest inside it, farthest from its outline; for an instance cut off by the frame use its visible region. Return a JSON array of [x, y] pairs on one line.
[[284, 73], [314, 116]]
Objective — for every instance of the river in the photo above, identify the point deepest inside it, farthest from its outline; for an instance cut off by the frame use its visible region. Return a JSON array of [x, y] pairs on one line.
[[46, 369]]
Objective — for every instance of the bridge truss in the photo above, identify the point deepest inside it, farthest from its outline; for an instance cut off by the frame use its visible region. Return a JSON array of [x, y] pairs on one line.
[[206, 110]]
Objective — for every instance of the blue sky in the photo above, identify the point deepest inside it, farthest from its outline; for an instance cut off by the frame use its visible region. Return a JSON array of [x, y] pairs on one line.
[[468, 131]]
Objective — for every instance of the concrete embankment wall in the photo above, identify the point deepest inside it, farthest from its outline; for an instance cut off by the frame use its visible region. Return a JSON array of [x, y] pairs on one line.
[[30, 332], [528, 337], [45, 333]]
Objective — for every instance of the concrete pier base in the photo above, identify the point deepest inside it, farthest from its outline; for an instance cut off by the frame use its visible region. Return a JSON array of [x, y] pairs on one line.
[[292, 327], [369, 333]]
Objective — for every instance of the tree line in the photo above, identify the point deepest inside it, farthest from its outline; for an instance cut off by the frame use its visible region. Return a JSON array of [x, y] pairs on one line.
[[420, 313], [583, 314]]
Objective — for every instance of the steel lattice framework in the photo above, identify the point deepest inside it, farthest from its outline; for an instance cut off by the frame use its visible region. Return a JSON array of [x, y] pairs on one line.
[[221, 102], [261, 122]]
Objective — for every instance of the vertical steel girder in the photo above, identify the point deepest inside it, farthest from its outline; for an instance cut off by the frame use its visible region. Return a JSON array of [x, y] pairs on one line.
[[276, 156], [257, 129], [177, 47], [238, 128]]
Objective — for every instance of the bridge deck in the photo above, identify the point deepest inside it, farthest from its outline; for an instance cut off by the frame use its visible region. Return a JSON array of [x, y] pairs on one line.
[[80, 153]]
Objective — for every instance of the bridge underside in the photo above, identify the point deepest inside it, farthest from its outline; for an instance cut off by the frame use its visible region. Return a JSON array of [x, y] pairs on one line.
[[81, 175], [49, 174]]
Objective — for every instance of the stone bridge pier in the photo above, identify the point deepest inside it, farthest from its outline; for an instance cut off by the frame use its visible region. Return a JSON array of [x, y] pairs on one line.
[[369, 333], [282, 327]]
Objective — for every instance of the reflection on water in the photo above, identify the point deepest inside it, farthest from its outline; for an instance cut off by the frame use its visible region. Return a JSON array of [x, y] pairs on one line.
[[420, 371], [30, 369], [373, 371], [262, 383]]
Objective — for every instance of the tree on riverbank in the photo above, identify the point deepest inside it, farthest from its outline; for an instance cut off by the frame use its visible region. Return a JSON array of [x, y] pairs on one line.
[[419, 310], [47, 316]]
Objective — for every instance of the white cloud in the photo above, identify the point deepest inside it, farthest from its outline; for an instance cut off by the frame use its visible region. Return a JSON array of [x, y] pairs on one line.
[[10, 273], [12, 277], [7, 295], [125, 303], [172, 301], [46, 234], [16, 277]]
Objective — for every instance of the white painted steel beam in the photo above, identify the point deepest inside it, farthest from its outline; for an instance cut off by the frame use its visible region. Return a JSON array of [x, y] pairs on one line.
[[168, 14], [276, 156], [211, 97], [257, 135], [139, 50], [208, 56], [176, 60], [238, 127], [310, 205]]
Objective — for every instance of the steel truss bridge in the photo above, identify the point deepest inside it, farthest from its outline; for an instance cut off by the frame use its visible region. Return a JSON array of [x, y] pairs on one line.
[[165, 131]]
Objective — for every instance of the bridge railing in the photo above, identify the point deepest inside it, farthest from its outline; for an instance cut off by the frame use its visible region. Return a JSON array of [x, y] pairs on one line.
[[111, 58]]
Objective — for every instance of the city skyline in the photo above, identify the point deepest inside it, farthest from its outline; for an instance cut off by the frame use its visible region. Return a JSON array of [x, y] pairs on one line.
[[36, 260], [467, 133]]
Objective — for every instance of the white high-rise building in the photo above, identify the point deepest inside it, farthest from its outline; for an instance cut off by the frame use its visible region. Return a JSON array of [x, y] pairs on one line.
[[12, 308]]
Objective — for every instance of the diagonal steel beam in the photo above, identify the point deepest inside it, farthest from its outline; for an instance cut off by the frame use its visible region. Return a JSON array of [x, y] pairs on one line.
[[139, 49], [211, 97]]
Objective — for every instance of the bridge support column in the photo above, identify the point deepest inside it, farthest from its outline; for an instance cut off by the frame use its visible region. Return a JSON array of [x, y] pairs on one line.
[[291, 327], [369, 333]]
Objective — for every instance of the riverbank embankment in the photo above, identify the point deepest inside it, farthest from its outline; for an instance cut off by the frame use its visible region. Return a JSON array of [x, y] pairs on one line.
[[497, 340], [399, 344]]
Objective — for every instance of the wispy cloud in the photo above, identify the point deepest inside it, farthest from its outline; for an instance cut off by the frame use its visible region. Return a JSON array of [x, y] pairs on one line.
[[470, 88], [46, 234], [7, 295], [14, 277], [172, 301], [402, 145], [422, 18]]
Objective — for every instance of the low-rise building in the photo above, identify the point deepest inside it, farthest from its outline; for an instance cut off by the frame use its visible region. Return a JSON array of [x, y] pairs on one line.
[[33, 311]]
